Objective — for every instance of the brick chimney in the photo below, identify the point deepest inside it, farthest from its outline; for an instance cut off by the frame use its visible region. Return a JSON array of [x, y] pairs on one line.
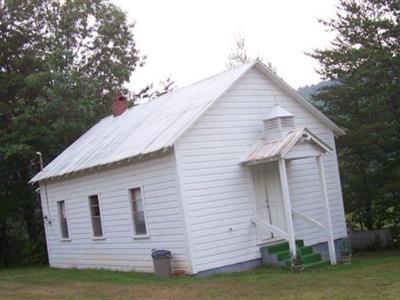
[[119, 105]]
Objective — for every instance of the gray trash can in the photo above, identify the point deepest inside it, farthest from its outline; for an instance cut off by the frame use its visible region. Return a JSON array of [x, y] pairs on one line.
[[162, 263]]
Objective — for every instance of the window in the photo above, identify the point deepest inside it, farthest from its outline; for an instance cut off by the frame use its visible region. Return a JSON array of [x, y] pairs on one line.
[[96, 217], [63, 220], [139, 220]]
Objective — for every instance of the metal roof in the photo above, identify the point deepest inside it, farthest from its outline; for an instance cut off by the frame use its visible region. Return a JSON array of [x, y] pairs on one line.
[[154, 126], [263, 151], [142, 129], [278, 112]]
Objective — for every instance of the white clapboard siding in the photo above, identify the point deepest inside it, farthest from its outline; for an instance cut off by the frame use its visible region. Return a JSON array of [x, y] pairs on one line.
[[119, 250], [216, 189]]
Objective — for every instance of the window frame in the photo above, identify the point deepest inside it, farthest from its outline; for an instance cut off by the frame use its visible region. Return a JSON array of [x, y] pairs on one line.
[[94, 237], [62, 238], [134, 235]]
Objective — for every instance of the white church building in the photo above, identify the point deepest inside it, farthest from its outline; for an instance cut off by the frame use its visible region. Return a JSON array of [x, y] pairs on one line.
[[226, 173]]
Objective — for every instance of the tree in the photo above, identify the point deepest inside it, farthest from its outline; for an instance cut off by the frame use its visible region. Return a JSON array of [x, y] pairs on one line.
[[308, 91], [267, 63], [151, 91], [61, 62], [238, 54], [364, 60]]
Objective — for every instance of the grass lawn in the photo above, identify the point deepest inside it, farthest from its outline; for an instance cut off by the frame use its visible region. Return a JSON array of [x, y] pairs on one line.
[[373, 275]]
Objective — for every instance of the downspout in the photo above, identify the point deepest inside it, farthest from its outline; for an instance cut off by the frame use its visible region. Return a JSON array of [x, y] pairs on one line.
[[47, 217]]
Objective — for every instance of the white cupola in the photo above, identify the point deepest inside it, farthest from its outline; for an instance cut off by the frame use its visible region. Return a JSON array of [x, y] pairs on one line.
[[278, 123]]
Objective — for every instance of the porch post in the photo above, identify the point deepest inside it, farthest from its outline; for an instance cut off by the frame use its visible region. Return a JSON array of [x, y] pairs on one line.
[[287, 206], [331, 243]]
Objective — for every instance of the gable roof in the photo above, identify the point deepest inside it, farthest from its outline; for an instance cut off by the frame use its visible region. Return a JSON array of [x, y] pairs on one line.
[[263, 151], [154, 126]]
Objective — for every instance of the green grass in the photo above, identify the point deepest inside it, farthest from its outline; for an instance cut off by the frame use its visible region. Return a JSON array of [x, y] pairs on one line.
[[373, 275]]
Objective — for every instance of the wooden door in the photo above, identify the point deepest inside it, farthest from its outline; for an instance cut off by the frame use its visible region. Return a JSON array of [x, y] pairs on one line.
[[269, 202], [275, 199]]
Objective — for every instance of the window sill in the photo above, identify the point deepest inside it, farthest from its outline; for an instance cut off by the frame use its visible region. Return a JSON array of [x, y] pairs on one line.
[[65, 240], [141, 237], [98, 238]]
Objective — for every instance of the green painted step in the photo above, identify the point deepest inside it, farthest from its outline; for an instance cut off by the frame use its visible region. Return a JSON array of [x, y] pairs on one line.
[[285, 254], [277, 248], [316, 264], [305, 250], [281, 251], [282, 247], [311, 258]]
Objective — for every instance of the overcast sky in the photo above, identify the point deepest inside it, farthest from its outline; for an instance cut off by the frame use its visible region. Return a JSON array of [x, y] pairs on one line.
[[190, 40]]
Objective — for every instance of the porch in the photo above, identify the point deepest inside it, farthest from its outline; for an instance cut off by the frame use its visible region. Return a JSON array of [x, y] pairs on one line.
[[267, 166]]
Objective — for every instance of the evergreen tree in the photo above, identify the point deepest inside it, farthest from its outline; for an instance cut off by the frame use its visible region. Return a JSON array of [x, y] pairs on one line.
[[364, 60]]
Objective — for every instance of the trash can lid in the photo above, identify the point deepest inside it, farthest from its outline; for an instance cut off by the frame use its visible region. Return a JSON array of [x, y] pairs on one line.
[[160, 253]]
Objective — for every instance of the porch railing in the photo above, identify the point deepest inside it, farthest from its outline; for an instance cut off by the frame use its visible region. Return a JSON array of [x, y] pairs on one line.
[[284, 235], [290, 213], [308, 220], [270, 227]]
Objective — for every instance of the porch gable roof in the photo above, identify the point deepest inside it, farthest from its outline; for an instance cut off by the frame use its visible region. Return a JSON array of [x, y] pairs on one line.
[[262, 151]]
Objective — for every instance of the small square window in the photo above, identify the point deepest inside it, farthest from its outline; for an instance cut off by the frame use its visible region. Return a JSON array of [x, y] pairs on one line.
[[138, 213]]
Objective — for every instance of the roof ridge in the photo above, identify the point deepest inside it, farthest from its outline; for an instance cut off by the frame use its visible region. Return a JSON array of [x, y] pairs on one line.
[[164, 120], [220, 73], [162, 130], [194, 83]]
